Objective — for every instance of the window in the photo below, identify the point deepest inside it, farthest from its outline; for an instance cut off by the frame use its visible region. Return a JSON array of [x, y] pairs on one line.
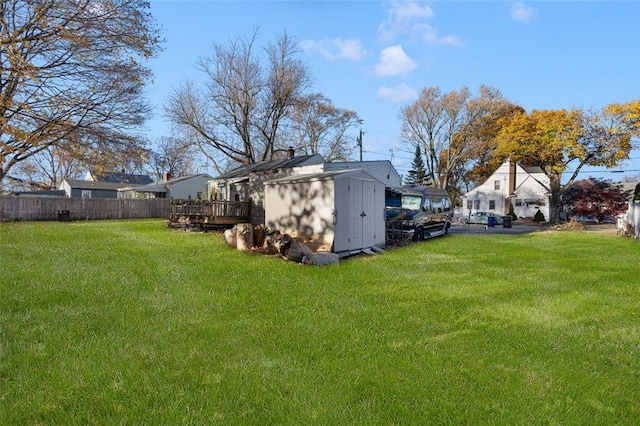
[[86, 193], [492, 203], [469, 204], [447, 204], [496, 184], [427, 205], [518, 202], [411, 202], [476, 204], [437, 204]]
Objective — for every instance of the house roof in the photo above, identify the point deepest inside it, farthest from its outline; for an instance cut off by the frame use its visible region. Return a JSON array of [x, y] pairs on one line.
[[629, 186], [42, 193], [115, 177], [281, 163], [533, 169], [92, 184], [162, 186]]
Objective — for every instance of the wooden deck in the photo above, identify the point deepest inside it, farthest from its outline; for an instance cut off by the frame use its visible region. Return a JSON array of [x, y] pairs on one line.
[[208, 214]]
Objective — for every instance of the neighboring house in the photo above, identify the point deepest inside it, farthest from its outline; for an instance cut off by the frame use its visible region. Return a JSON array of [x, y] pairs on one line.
[[527, 188], [246, 183], [90, 189], [115, 177], [341, 210], [182, 188]]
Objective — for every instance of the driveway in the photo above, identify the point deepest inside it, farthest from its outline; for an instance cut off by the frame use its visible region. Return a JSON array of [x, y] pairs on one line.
[[516, 228], [521, 228]]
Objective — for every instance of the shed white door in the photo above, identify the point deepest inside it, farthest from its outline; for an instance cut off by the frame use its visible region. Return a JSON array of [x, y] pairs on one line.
[[361, 213]]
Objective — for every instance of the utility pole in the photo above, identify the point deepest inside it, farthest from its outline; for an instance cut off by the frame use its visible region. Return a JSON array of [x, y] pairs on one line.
[[360, 144]]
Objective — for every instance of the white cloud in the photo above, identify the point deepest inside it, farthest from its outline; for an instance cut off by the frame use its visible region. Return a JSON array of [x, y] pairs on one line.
[[410, 18], [400, 15], [402, 93], [393, 61], [522, 12], [429, 35], [336, 49]]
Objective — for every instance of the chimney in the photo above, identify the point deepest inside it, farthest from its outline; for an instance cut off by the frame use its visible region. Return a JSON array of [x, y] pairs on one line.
[[511, 186], [291, 152], [167, 176], [512, 177]]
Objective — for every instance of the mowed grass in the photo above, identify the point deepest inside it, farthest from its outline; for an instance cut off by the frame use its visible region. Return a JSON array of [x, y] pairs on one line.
[[129, 322]]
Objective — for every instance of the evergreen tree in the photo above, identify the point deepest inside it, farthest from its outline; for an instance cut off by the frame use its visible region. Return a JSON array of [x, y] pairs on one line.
[[416, 175]]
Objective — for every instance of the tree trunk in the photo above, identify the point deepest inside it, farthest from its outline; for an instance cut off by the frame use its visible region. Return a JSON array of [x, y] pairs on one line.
[[555, 199]]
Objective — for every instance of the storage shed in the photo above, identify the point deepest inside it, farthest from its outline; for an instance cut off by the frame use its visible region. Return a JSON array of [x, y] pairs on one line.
[[344, 210]]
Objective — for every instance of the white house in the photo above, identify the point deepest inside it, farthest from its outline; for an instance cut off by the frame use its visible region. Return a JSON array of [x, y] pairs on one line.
[[343, 210], [527, 188]]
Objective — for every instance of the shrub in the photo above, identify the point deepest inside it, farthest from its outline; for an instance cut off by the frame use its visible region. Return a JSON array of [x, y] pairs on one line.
[[539, 217], [512, 213]]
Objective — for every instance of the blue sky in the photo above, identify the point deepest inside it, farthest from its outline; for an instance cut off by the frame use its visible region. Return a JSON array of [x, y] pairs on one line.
[[374, 57]]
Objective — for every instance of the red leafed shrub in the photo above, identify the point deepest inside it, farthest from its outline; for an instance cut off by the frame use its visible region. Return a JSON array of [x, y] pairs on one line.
[[596, 198]]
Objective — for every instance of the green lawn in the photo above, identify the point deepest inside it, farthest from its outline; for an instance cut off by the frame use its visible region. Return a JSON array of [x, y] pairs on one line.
[[129, 322]]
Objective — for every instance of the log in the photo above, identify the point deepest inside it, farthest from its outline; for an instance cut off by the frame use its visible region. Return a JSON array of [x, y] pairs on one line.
[[245, 236], [297, 251], [259, 233], [231, 238], [320, 258]]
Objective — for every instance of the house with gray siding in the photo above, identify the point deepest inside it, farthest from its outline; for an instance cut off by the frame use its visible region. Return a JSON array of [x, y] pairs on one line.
[[246, 183], [90, 189], [182, 188]]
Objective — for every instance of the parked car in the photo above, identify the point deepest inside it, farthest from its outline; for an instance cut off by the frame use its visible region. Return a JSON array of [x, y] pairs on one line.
[[418, 211], [481, 218]]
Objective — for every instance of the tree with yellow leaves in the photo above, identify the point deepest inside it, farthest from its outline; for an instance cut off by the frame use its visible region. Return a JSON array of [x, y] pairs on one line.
[[554, 139]]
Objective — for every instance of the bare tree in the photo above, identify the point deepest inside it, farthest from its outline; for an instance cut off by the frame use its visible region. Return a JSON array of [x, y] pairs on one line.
[[172, 155], [49, 167], [70, 71], [447, 126], [318, 127], [238, 116]]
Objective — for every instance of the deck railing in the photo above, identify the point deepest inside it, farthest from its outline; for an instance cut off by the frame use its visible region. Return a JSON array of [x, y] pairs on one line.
[[215, 212]]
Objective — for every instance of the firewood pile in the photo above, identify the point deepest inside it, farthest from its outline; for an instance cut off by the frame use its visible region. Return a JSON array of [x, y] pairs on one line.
[[261, 240]]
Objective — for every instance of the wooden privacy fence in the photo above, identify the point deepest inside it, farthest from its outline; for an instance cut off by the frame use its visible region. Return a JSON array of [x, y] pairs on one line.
[[29, 208]]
